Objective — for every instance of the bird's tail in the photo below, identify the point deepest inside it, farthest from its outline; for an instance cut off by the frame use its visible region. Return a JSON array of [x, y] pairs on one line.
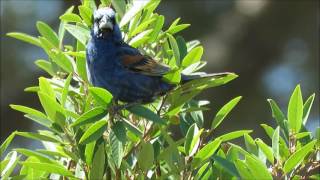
[[187, 78]]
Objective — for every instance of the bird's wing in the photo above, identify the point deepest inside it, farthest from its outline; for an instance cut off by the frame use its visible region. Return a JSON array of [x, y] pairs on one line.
[[144, 65]]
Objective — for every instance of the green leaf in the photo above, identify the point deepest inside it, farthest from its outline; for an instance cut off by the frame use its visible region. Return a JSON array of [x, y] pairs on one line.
[[71, 17], [88, 153], [173, 77], [98, 162], [30, 153], [192, 57], [25, 37], [266, 150], [86, 14], [54, 111], [177, 28], [206, 152], [156, 29], [46, 31], [257, 168], [278, 115], [48, 167], [132, 128], [11, 165], [39, 137], [146, 156], [295, 110], [296, 158], [140, 39], [116, 149], [120, 131], [28, 110], [175, 48], [45, 65], [93, 115], [192, 44], [64, 61], [234, 135], [79, 32], [275, 143], [105, 2], [307, 108], [141, 27], [192, 140], [119, 6], [224, 111], [45, 87], [31, 173], [94, 132], [135, 8], [65, 90], [182, 47], [302, 135], [243, 169], [250, 144], [101, 95], [6, 143], [227, 165], [147, 114]]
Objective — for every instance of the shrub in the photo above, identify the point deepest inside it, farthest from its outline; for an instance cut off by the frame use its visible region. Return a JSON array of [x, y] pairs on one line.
[[81, 139]]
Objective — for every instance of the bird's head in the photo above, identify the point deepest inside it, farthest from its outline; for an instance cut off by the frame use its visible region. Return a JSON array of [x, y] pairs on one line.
[[105, 23]]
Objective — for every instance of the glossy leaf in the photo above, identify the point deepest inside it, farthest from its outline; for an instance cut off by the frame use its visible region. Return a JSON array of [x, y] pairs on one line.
[[136, 7], [257, 168], [227, 165], [37, 136], [275, 143], [45, 87], [47, 32], [296, 158], [206, 152], [157, 28], [65, 90], [266, 150], [71, 17], [234, 135], [45, 65], [307, 108], [25, 37], [6, 143], [102, 96], [86, 14], [224, 111], [146, 113], [94, 132], [295, 110], [192, 57], [11, 164], [192, 140], [90, 116], [48, 167], [80, 33]]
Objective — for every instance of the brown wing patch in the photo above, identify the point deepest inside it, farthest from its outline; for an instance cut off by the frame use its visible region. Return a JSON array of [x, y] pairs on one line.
[[127, 60]]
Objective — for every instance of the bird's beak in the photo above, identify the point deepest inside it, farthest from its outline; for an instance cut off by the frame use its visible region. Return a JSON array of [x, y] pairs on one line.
[[105, 23]]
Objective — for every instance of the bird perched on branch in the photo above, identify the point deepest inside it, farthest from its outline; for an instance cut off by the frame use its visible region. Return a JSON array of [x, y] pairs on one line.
[[121, 69]]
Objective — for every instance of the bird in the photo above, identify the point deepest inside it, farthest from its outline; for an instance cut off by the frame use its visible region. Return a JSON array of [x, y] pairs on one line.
[[129, 75]]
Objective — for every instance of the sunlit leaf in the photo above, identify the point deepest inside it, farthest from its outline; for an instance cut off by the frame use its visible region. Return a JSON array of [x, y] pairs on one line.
[[71, 17], [296, 158], [295, 110], [47, 32], [25, 37], [102, 96], [224, 111], [307, 108], [94, 132], [146, 113]]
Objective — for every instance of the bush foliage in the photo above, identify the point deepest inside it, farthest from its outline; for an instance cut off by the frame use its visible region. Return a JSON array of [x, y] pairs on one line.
[[81, 140]]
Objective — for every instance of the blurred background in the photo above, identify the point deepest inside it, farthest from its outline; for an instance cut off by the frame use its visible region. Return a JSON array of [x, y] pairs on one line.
[[271, 45]]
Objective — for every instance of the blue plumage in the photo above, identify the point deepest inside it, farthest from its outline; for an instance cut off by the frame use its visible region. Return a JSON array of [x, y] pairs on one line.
[[121, 69]]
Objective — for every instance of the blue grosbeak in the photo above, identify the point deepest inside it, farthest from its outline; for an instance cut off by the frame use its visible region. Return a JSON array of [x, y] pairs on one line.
[[121, 69]]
